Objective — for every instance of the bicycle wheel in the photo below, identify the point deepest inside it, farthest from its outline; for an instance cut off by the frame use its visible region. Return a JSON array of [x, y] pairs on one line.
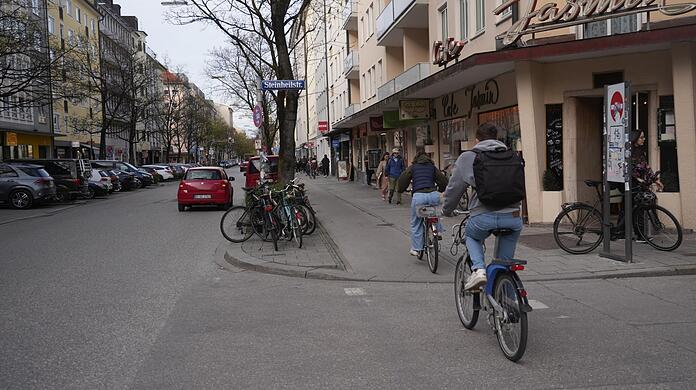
[[236, 224], [309, 224], [511, 325], [271, 229], [421, 253], [466, 301], [433, 248], [658, 227], [578, 229]]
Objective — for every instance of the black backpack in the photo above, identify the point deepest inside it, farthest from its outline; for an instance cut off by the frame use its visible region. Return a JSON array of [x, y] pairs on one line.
[[499, 177]]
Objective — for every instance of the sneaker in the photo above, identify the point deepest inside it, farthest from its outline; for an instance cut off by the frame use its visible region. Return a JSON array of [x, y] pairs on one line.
[[476, 280], [414, 253]]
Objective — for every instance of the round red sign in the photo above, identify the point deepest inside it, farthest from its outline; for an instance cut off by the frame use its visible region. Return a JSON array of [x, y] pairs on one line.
[[617, 106], [258, 116]]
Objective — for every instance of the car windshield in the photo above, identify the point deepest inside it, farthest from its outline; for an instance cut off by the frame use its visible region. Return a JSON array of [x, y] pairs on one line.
[[255, 165], [35, 172], [203, 174]]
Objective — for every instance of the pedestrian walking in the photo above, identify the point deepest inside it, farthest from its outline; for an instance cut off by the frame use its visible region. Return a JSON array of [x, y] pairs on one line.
[[382, 179], [395, 167], [325, 166]]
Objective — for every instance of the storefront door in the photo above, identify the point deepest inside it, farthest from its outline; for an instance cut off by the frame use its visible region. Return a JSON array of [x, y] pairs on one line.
[[589, 133]]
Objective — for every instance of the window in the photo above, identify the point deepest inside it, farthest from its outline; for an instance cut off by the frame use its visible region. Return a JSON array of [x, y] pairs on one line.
[[371, 19], [370, 80], [363, 33], [379, 73], [506, 12], [464, 15], [68, 7], [71, 37], [79, 15], [363, 88], [35, 7], [443, 23], [51, 25], [203, 175], [480, 15], [92, 26]]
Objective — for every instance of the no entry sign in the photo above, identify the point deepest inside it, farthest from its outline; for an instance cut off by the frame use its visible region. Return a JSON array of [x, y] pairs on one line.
[[258, 116]]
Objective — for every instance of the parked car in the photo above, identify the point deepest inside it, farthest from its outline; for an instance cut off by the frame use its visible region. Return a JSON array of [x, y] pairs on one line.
[[179, 170], [156, 177], [23, 185], [143, 179], [71, 176], [99, 184], [253, 173], [114, 179], [127, 180], [162, 170], [205, 186]]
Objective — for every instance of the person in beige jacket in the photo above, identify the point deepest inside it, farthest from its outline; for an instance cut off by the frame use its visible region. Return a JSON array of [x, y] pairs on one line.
[[382, 179]]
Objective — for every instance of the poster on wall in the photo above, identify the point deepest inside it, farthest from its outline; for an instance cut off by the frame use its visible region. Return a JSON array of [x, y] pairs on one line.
[[554, 139], [617, 112], [343, 169]]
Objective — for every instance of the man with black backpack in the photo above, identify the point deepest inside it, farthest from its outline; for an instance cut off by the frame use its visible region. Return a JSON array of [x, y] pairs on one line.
[[497, 177]]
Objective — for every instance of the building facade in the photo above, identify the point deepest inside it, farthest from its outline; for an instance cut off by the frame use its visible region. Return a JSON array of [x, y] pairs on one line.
[[25, 111], [449, 65]]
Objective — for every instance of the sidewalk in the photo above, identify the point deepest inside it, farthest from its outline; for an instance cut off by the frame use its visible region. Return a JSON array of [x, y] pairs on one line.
[[363, 238]]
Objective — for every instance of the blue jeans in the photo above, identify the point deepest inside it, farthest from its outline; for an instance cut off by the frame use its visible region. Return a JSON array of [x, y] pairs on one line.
[[421, 199], [478, 229]]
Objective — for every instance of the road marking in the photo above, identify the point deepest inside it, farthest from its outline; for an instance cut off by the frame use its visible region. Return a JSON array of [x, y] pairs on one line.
[[354, 291], [536, 305]]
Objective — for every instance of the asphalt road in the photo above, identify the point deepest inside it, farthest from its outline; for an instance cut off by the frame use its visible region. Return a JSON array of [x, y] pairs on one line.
[[126, 293]]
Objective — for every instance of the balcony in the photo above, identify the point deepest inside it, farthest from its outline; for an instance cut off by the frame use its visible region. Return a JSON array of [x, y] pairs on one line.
[[398, 15], [409, 77], [352, 109], [350, 16], [351, 68]]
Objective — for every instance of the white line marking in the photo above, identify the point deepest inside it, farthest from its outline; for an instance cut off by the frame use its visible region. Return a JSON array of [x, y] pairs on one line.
[[354, 291], [536, 305]]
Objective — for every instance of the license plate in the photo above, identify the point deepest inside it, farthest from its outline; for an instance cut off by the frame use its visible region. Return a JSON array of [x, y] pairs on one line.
[[201, 197]]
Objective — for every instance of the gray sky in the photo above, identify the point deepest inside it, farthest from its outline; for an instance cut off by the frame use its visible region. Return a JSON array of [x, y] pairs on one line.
[[184, 47]]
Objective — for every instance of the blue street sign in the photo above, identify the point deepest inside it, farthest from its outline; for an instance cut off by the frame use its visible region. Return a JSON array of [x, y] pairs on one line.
[[282, 84]]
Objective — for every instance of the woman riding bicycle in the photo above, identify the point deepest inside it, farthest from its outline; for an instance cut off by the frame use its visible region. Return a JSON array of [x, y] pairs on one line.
[[427, 181]]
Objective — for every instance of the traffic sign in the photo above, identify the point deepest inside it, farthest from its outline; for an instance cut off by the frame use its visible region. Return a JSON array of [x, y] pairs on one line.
[[323, 126], [282, 84], [258, 116]]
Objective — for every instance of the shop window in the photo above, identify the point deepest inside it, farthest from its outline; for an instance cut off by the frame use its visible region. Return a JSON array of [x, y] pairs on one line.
[[509, 120], [667, 141]]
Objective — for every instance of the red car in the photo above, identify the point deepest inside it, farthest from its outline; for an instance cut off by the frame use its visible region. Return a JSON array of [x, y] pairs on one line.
[[205, 186], [253, 171]]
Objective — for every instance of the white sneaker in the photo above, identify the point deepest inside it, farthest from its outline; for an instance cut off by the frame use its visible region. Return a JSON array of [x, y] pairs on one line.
[[476, 280], [414, 253]]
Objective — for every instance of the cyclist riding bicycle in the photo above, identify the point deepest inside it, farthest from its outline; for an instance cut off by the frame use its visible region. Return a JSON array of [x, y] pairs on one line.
[[493, 215], [426, 181]]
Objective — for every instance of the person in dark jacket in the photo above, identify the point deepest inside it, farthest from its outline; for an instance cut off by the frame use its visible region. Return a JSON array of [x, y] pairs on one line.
[[395, 167], [426, 184], [325, 165]]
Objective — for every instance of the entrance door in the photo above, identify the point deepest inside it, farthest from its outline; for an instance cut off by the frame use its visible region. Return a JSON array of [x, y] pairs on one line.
[[589, 133]]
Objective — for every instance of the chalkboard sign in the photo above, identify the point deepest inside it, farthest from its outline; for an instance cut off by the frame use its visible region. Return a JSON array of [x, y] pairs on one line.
[[554, 140]]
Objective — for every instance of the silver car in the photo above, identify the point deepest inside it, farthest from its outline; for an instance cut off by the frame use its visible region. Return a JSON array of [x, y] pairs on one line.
[[22, 185]]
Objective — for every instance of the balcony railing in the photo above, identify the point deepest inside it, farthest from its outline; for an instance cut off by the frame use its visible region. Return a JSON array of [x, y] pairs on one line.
[[352, 109], [409, 77], [390, 14], [350, 62], [350, 16]]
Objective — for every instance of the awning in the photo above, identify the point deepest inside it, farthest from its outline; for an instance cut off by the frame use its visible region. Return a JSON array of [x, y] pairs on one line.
[[33, 132], [482, 66]]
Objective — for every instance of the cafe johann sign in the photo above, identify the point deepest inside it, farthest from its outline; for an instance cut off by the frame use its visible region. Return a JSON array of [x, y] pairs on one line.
[[555, 15]]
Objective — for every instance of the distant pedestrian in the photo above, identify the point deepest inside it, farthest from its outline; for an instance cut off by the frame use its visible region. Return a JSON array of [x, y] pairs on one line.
[[382, 179], [325, 165], [395, 167]]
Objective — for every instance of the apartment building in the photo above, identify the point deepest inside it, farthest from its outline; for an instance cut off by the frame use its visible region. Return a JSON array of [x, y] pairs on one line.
[[449, 65], [73, 27], [25, 119], [150, 149]]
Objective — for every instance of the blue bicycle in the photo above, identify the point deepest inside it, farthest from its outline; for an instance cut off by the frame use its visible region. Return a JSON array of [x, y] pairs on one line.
[[503, 297]]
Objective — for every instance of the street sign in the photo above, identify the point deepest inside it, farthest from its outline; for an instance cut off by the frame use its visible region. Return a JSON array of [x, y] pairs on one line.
[[257, 144], [323, 126], [282, 84], [258, 116], [617, 134]]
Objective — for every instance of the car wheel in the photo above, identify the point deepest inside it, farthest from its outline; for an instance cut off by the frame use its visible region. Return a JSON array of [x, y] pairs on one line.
[[182, 207], [62, 194], [21, 199], [90, 193], [137, 184]]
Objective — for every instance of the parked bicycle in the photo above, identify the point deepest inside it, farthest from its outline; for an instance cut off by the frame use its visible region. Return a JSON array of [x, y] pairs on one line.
[[301, 200], [578, 227], [503, 298], [431, 244], [288, 215], [239, 223]]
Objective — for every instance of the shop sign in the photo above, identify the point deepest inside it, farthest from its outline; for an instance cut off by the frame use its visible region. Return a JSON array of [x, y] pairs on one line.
[[344, 138], [75, 144], [552, 15], [377, 123], [477, 97], [447, 51], [323, 126], [11, 139], [617, 112], [414, 109]]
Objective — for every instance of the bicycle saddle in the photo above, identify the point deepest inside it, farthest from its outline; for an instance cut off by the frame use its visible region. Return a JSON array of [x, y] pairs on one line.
[[593, 183], [248, 189], [501, 232]]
